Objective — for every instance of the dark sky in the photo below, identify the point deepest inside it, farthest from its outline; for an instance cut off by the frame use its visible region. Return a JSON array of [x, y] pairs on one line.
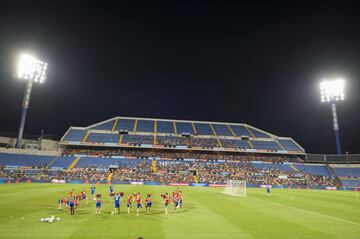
[[255, 63]]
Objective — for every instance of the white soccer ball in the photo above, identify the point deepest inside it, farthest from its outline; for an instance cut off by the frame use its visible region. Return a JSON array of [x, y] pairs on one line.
[[58, 218], [42, 219]]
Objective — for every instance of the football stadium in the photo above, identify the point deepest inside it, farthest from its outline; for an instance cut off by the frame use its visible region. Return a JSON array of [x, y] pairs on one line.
[[134, 150], [222, 171]]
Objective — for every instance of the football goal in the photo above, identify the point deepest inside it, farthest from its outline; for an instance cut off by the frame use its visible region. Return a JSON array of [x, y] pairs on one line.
[[235, 188]]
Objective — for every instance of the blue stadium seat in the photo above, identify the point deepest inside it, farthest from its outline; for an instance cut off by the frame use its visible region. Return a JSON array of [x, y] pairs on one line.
[[204, 142], [172, 140], [288, 144], [63, 162], [235, 143], [24, 160], [165, 127], [105, 126], [145, 126], [184, 128], [103, 138], [265, 166], [314, 169], [125, 125], [240, 130], [351, 183], [75, 135], [258, 134], [266, 145], [222, 130], [347, 172], [137, 139], [203, 129]]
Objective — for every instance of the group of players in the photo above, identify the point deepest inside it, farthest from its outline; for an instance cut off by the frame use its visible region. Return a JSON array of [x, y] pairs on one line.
[[73, 200]]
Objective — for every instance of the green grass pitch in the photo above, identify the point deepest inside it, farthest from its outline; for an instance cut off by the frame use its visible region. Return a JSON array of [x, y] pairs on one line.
[[206, 214]]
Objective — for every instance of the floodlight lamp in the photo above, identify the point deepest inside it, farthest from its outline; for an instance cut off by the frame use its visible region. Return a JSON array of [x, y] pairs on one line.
[[29, 68], [332, 90]]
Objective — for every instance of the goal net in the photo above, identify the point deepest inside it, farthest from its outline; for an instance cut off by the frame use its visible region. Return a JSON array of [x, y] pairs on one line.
[[235, 188]]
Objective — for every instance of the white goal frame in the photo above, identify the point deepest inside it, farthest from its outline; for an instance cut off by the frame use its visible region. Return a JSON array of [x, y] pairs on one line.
[[235, 188]]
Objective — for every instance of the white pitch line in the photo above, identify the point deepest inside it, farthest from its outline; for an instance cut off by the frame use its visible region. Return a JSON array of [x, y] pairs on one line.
[[315, 213]]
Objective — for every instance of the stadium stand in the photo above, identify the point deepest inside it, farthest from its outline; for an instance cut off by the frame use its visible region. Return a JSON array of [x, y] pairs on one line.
[[159, 132], [347, 172], [24, 160]]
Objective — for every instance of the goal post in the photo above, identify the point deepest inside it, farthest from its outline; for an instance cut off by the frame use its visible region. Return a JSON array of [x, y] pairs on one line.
[[235, 188]]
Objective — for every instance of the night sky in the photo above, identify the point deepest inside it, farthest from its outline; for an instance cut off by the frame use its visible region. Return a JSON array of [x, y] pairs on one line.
[[253, 63]]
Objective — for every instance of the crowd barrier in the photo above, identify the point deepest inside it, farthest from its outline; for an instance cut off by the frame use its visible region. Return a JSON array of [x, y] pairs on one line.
[[55, 181]]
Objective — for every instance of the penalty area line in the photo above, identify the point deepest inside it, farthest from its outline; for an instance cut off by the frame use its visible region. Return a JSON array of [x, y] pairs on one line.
[[315, 213]]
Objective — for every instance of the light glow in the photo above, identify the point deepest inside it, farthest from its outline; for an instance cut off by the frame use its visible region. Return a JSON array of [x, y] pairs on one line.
[[29, 68], [332, 90]]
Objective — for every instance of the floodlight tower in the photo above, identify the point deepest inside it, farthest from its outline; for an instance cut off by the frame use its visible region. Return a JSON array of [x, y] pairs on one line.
[[32, 70], [332, 91]]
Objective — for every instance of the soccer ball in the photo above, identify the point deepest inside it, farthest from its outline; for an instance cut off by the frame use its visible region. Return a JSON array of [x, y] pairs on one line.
[[42, 219], [112, 213], [58, 219]]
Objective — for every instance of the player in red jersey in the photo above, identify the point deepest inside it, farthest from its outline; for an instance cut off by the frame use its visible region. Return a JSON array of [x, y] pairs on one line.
[[130, 199], [62, 202], [148, 202], [71, 194], [175, 200], [83, 196], [166, 201]]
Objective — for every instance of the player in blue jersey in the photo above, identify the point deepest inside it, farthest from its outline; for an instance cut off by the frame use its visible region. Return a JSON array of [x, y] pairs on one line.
[[72, 206], [117, 201], [267, 190], [98, 204], [111, 189], [92, 190]]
